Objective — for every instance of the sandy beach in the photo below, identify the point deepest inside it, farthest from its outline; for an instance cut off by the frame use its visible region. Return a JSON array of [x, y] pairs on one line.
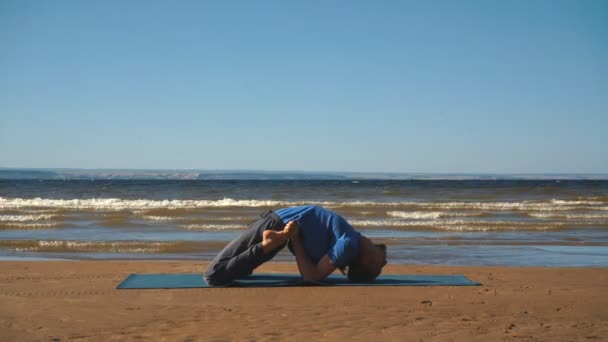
[[77, 301]]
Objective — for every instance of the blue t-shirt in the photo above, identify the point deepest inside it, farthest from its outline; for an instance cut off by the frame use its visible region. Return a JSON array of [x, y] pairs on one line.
[[324, 232]]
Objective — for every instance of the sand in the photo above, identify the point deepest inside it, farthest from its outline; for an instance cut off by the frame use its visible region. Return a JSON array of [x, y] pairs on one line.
[[77, 301]]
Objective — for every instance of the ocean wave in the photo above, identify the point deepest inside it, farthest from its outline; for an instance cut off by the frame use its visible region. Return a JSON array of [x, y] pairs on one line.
[[469, 225], [136, 247], [27, 225], [424, 215], [143, 204], [159, 218], [502, 206], [25, 218], [84, 246], [214, 226], [408, 223], [122, 204], [549, 215], [577, 202], [547, 205], [194, 219]]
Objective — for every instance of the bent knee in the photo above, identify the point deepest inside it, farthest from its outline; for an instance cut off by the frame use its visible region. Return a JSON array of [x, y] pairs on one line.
[[214, 278]]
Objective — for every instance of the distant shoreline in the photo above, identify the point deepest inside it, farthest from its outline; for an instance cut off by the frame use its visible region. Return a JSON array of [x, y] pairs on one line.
[[181, 174]]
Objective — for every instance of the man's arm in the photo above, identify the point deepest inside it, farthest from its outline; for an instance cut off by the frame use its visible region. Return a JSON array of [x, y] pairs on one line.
[[308, 269]]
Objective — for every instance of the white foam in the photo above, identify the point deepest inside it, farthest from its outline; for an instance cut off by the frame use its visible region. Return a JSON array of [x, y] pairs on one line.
[[408, 223], [501, 206], [182, 219], [159, 218], [235, 218], [25, 218], [143, 204], [214, 226], [577, 202], [551, 215], [460, 225], [21, 225], [60, 243], [425, 215], [118, 247], [140, 204]]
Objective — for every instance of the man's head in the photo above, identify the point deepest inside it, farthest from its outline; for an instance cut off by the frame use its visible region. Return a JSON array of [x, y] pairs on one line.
[[368, 265]]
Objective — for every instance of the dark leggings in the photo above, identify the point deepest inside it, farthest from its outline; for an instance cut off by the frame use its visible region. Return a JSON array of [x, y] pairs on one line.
[[243, 254]]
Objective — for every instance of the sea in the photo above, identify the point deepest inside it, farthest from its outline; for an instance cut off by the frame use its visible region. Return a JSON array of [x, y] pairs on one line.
[[511, 222]]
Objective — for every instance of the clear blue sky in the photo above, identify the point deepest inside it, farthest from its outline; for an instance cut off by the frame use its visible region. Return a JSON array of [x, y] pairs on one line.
[[394, 86]]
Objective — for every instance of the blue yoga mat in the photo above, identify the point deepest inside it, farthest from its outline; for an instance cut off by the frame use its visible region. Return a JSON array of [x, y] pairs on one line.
[[177, 281]]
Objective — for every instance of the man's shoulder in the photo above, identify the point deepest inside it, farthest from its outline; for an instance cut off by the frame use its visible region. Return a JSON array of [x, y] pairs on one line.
[[305, 208], [319, 211], [296, 212]]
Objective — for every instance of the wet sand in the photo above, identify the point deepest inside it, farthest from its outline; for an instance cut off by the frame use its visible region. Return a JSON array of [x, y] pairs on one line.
[[77, 301]]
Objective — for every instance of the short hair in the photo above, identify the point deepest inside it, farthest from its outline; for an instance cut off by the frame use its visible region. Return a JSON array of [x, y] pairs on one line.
[[357, 272]]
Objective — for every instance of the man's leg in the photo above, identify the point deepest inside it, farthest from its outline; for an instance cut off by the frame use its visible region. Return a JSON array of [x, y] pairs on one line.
[[243, 254]]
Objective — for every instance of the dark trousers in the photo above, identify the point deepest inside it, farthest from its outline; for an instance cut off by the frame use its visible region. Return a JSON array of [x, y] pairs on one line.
[[243, 254]]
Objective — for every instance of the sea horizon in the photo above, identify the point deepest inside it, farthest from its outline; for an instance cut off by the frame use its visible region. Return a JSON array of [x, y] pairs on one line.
[[16, 173]]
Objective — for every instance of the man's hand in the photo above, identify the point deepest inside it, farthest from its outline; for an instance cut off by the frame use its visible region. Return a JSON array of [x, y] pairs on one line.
[[292, 229]]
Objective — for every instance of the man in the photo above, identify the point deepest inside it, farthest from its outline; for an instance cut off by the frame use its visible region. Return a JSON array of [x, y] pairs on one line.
[[320, 239]]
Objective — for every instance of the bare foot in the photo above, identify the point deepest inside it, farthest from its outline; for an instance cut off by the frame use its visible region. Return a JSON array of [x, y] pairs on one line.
[[272, 240]]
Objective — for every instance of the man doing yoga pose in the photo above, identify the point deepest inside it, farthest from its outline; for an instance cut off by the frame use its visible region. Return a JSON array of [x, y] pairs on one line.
[[320, 239]]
